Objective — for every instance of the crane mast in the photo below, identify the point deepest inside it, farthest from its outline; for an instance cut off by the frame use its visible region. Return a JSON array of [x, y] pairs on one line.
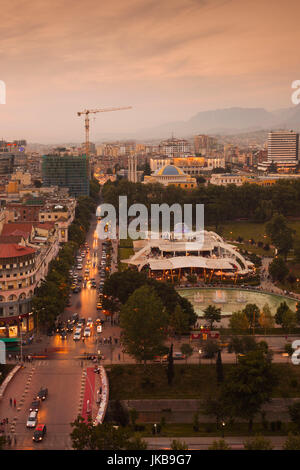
[[87, 112]]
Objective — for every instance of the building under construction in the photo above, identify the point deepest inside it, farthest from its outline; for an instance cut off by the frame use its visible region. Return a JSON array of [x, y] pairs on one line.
[[67, 171]]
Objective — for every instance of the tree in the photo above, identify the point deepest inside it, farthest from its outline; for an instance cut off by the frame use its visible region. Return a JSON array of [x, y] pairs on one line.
[[144, 324], [86, 436], [292, 443], [297, 250], [210, 348], [120, 414], [178, 321], [258, 443], [136, 443], [289, 320], [219, 368], [170, 368], [238, 321], [278, 269], [252, 313], [266, 319], [217, 409], [220, 444], [2, 442], [281, 235], [176, 444], [212, 314], [294, 412], [281, 310], [242, 345], [249, 385], [134, 414]]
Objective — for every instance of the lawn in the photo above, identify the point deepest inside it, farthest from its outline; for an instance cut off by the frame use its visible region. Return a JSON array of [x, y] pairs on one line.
[[247, 230], [190, 381]]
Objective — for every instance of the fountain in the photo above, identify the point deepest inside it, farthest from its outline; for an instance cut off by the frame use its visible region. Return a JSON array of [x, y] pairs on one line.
[[220, 297], [198, 298], [241, 297]]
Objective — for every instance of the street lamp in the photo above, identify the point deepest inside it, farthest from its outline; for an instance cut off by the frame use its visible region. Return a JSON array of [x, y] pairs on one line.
[[200, 352], [223, 427]]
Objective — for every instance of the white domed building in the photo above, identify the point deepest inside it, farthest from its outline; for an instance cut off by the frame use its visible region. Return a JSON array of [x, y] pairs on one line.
[[171, 174]]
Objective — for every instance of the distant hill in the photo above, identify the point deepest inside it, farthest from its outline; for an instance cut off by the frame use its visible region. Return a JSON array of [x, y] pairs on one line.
[[228, 121]]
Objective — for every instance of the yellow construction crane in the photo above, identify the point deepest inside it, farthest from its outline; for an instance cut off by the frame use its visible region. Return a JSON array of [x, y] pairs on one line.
[[86, 112]]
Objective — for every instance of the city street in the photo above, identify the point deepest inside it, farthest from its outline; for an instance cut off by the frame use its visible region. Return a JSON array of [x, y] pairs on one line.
[[70, 380]]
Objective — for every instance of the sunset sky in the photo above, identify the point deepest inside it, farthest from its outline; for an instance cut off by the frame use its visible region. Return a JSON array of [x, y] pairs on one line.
[[168, 59]]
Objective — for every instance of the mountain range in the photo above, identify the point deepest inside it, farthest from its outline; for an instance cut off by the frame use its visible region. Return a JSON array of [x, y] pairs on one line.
[[228, 121]]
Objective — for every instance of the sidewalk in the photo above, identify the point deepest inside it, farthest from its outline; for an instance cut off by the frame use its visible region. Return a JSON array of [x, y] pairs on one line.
[[203, 443]]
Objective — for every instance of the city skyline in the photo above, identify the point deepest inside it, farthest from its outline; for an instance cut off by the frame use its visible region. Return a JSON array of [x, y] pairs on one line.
[[167, 59]]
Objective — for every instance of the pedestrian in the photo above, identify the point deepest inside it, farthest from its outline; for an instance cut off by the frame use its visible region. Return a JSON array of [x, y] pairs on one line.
[[119, 356], [15, 403], [6, 420], [10, 401]]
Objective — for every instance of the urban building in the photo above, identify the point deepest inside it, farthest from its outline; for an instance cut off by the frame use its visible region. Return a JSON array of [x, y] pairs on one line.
[[283, 146], [170, 174], [67, 171], [26, 250], [175, 255]]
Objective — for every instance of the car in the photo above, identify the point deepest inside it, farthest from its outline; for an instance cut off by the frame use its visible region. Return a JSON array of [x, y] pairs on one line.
[[39, 433], [82, 321], [87, 332], [79, 258], [32, 419], [35, 405], [79, 266], [77, 336], [43, 394], [89, 322], [63, 334], [75, 317], [76, 290], [99, 306], [99, 329], [178, 356], [69, 328]]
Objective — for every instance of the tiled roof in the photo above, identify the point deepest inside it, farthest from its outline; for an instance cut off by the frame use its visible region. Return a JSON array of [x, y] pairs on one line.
[[17, 228], [13, 250]]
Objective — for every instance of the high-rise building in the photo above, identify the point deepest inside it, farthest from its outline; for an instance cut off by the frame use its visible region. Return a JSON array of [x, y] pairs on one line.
[[67, 171], [283, 146]]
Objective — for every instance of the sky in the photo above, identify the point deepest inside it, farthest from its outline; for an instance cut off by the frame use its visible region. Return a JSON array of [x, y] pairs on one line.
[[168, 59]]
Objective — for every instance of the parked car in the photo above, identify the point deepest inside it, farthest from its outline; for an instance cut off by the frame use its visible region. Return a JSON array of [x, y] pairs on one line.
[[178, 355]]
